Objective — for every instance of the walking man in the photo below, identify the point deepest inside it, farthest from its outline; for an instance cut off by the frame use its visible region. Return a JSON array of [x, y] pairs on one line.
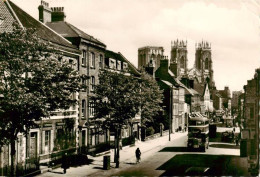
[[65, 163], [138, 155]]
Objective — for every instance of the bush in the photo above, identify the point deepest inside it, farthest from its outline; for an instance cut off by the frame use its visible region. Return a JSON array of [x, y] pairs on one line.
[[149, 131]]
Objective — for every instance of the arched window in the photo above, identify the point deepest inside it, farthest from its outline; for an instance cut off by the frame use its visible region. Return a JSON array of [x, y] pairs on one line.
[[206, 63], [199, 64], [182, 62]]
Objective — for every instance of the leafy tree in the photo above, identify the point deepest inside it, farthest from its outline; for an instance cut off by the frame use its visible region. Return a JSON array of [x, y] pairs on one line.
[[119, 98], [33, 83], [151, 99], [116, 99]]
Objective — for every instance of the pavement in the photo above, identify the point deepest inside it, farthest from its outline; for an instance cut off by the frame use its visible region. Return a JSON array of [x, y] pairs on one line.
[[234, 164], [127, 156]]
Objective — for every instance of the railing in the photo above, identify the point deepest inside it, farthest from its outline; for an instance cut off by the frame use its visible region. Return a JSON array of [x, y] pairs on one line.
[[31, 167]]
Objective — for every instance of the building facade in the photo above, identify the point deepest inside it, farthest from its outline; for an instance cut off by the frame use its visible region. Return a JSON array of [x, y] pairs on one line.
[[250, 131], [150, 55], [89, 65], [53, 135]]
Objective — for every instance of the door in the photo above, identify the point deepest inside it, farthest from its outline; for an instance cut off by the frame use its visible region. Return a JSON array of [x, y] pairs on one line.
[[33, 145]]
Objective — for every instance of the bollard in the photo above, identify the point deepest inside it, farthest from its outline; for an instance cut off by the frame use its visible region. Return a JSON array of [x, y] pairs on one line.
[[106, 162]]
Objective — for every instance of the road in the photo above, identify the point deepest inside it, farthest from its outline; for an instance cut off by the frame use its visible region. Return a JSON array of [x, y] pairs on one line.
[[163, 158], [174, 158]]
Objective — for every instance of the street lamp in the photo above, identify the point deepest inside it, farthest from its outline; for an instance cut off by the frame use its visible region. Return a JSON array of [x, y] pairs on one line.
[[170, 113]]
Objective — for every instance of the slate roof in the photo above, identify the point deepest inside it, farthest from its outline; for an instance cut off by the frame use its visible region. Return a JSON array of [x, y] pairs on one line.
[[67, 30], [42, 30], [6, 18], [120, 57]]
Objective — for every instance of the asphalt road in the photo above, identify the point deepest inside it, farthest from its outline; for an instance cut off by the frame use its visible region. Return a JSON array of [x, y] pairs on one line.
[[175, 158]]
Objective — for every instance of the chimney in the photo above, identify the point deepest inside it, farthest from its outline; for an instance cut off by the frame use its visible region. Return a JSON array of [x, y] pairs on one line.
[[57, 14], [44, 12]]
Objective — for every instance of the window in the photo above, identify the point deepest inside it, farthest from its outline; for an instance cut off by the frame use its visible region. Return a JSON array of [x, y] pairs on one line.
[[182, 62], [92, 63], [175, 109], [84, 83], [84, 58], [112, 64], [101, 62], [92, 84], [47, 141], [118, 65], [207, 63], [125, 66], [91, 108], [83, 108]]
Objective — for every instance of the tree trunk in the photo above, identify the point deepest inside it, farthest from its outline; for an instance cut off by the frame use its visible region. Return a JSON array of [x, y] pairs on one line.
[[115, 145], [12, 172], [118, 148]]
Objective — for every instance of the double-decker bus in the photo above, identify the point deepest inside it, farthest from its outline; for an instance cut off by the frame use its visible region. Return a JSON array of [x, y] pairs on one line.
[[198, 131]]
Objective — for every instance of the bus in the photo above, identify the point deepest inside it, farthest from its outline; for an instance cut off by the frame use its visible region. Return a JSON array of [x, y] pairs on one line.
[[198, 132]]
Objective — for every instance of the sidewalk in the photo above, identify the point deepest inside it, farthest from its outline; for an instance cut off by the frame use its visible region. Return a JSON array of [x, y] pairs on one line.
[[127, 156]]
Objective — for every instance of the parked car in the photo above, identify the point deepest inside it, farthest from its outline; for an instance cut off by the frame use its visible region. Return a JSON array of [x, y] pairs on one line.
[[197, 171]]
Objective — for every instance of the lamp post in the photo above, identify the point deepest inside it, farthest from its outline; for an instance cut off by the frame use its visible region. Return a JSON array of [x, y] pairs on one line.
[[170, 114]]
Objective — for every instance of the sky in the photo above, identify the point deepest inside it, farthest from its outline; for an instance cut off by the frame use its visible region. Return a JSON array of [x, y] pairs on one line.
[[231, 26]]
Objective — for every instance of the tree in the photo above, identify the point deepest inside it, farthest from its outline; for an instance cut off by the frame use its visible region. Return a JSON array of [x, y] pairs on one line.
[[151, 98], [34, 81], [119, 98]]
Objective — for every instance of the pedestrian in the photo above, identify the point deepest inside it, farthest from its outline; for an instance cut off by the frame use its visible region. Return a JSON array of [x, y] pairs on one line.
[[138, 155], [65, 163], [237, 141], [234, 129]]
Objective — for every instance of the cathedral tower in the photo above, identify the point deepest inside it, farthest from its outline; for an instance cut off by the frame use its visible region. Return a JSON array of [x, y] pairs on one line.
[[148, 55], [203, 62], [179, 60]]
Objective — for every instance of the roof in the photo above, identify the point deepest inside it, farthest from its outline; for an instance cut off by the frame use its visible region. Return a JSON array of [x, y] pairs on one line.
[[67, 30], [168, 84], [187, 90], [42, 30], [7, 17], [120, 57]]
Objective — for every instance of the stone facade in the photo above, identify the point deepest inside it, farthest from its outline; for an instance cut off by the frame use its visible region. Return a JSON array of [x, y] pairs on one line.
[[250, 132], [150, 55], [179, 59], [40, 145]]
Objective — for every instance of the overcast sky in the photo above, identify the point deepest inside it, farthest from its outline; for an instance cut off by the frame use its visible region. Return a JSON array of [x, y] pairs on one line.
[[231, 26]]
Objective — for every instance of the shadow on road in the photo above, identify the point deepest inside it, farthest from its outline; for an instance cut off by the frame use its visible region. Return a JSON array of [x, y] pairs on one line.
[[229, 146], [100, 168], [130, 163], [56, 172], [179, 149], [219, 164]]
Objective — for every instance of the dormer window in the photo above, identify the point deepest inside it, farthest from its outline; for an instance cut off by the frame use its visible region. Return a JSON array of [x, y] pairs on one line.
[[112, 64], [125, 66], [118, 65]]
